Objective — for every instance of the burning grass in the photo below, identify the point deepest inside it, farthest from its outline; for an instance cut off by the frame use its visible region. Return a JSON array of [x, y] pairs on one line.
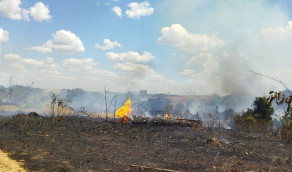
[[124, 111], [72, 143]]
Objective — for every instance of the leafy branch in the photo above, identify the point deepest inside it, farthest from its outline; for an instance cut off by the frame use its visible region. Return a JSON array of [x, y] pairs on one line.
[[279, 96]]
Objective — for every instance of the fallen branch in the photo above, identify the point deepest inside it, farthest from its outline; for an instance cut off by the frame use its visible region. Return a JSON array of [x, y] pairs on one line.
[[141, 167], [272, 79]]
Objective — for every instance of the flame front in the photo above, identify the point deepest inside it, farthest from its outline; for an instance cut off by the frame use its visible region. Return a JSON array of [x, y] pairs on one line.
[[124, 111], [166, 116]]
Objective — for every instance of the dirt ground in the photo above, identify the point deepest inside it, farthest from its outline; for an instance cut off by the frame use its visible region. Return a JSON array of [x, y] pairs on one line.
[[87, 144]]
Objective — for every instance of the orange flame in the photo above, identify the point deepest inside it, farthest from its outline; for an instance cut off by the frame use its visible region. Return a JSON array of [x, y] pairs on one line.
[[124, 111], [166, 116]]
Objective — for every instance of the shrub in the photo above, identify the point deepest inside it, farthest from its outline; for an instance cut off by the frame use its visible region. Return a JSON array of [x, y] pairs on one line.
[[263, 110], [244, 122], [257, 118]]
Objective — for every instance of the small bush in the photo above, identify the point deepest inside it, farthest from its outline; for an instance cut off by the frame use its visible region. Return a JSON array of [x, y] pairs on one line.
[[258, 118], [244, 122], [285, 131]]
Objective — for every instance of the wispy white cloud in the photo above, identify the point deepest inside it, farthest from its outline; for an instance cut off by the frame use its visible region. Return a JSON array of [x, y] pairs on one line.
[[17, 66], [133, 63], [206, 68], [79, 64], [63, 41], [206, 60], [131, 56], [11, 9], [25, 14], [12, 56], [188, 72], [4, 35], [108, 45], [277, 33], [177, 36], [134, 68], [42, 49], [40, 12], [43, 66], [86, 68], [66, 42], [162, 84], [138, 10], [69, 73], [117, 10]]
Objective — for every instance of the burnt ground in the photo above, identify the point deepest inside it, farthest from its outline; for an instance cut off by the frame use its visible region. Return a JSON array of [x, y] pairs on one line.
[[85, 144]]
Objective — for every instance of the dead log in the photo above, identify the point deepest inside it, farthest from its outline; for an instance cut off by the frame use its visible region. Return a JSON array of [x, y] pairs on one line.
[[164, 121], [139, 119], [145, 168]]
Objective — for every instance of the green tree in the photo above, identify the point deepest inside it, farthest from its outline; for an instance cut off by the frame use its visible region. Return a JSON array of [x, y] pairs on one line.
[[257, 118], [263, 110]]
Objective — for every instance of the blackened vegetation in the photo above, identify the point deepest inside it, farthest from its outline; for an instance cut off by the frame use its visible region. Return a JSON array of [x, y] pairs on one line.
[[53, 102], [196, 124], [65, 143]]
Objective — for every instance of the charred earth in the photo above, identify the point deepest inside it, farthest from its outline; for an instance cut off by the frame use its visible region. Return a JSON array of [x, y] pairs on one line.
[[83, 144]]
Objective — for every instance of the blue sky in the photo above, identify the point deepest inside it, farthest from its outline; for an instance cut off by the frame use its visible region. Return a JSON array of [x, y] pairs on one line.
[[181, 47]]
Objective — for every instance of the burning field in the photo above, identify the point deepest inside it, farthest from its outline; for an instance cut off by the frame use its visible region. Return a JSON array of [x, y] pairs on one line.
[[141, 136], [146, 85], [90, 144]]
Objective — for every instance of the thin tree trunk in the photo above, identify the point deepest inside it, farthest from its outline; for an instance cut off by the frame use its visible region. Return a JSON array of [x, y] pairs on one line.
[[106, 108]]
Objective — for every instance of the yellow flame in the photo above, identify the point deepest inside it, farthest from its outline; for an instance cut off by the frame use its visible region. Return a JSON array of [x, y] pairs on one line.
[[166, 116], [125, 110]]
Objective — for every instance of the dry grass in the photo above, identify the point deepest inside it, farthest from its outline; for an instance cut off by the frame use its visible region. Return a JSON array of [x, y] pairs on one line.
[[9, 165], [285, 132], [9, 107], [226, 164]]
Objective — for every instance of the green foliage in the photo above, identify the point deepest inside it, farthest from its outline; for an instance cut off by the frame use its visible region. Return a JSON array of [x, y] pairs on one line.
[[263, 110], [257, 118], [244, 122], [282, 99], [286, 121]]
